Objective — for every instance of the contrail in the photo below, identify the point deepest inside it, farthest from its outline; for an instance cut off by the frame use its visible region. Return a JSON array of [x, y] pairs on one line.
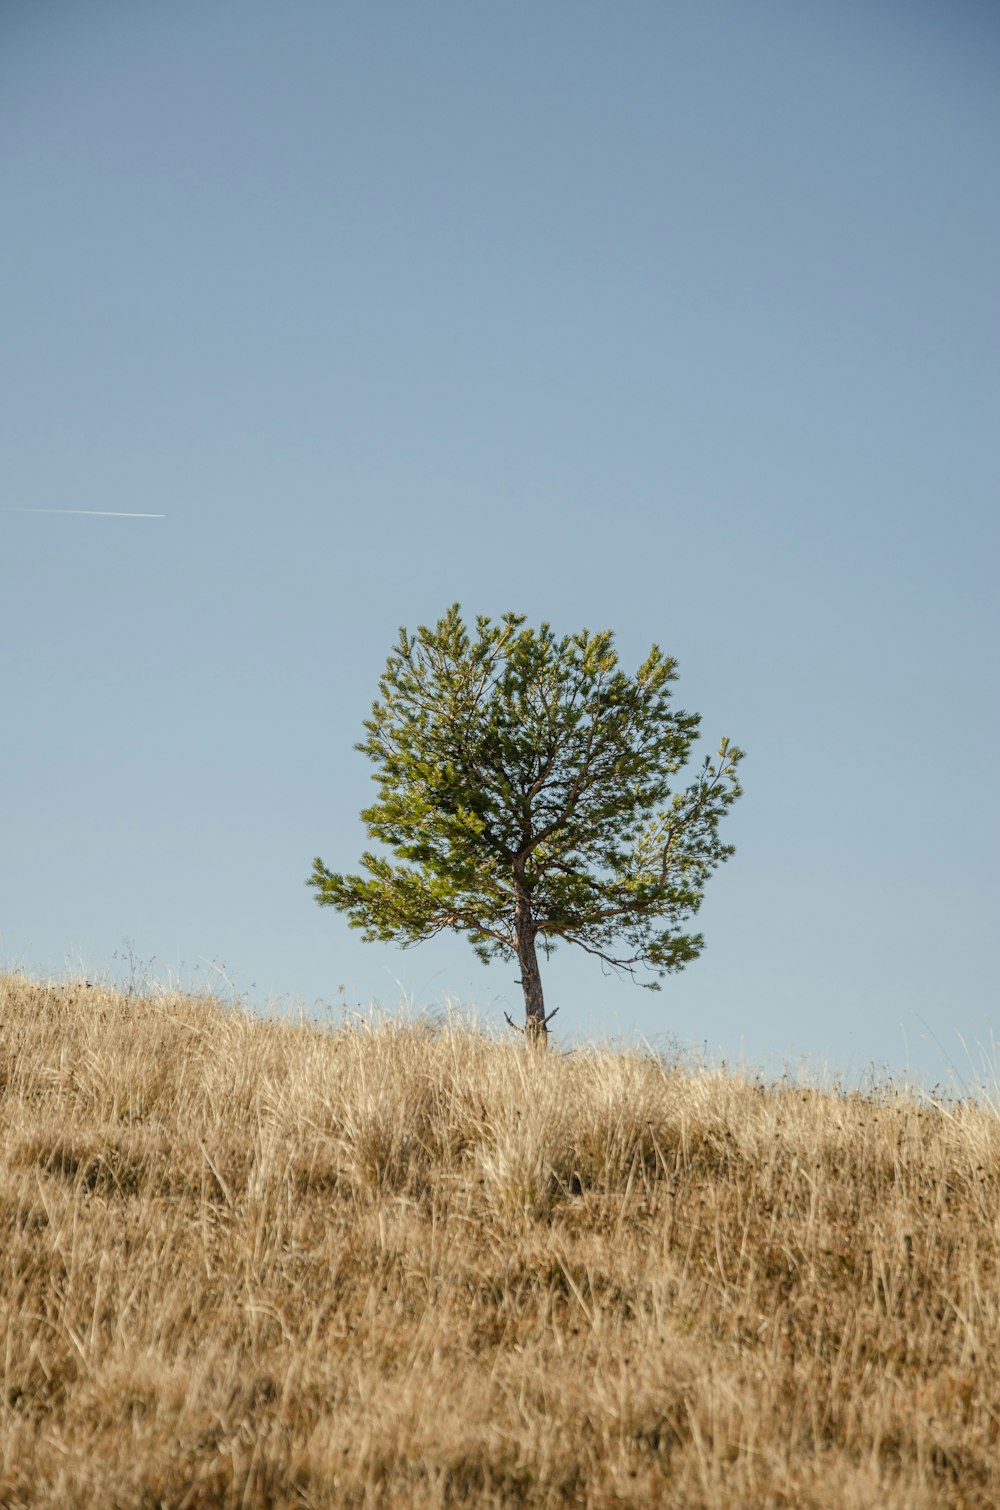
[[96, 513]]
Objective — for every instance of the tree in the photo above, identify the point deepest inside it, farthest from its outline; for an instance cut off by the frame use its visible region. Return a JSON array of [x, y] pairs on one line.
[[524, 790]]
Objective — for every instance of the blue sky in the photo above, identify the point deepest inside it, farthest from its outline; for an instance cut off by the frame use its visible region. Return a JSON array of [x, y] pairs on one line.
[[680, 319]]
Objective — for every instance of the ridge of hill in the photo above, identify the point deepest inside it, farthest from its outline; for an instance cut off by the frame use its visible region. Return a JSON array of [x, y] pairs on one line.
[[264, 1263]]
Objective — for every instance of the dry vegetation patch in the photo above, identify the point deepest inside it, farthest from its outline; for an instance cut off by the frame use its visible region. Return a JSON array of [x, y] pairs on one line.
[[259, 1263]]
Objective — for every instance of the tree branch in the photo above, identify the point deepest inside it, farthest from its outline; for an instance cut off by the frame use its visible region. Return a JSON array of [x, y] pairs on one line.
[[518, 1028]]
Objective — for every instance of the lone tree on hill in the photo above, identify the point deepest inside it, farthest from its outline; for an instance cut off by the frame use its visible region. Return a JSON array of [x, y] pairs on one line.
[[524, 785]]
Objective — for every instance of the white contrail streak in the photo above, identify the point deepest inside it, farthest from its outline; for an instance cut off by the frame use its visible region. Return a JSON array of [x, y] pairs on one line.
[[96, 513]]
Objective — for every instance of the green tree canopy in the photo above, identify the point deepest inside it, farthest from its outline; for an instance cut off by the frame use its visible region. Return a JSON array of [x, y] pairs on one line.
[[524, 793]]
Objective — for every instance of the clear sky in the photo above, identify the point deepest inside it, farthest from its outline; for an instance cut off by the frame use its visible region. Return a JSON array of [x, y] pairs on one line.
[[678, 318]]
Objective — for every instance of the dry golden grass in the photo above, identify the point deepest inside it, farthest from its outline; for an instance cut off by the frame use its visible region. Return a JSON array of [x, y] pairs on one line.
[[250, 1263]]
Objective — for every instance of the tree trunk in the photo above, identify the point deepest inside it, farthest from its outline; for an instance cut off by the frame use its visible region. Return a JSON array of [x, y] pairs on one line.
[[535, 1028]]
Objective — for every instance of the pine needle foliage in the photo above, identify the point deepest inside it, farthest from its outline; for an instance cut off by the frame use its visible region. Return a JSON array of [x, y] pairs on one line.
[[525, 798]]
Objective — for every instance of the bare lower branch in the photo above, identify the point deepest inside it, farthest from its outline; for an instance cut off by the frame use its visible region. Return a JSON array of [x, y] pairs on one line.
[[609, 959], [517, 1027]]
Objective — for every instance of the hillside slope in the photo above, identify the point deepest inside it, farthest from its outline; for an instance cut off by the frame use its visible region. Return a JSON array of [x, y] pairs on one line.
[[262, 1264]]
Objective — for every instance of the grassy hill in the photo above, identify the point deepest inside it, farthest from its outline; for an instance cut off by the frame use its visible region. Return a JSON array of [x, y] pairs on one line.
[[250, 1263]]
